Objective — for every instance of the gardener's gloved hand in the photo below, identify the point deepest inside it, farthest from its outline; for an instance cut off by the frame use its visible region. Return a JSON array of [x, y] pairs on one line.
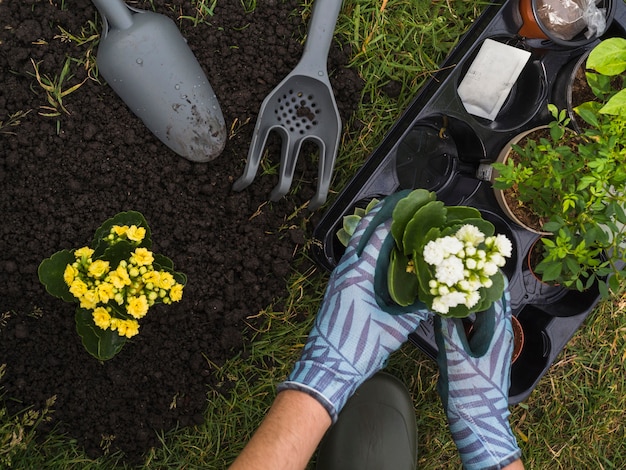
[[352, 337], [474, 386]]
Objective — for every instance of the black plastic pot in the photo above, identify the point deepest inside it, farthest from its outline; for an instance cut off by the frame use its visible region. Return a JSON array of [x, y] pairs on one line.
[[563, 86]]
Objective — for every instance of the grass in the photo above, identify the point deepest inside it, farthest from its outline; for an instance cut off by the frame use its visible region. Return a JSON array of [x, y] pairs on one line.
[[574, 418]]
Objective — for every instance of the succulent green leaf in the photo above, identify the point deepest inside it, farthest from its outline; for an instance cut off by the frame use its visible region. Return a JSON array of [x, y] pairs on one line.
[[343, 236], [384, 213], [424, 274], [462, 213], [406, 209], [432, 214], [350, 223], [162, 261], [373, 203], [403, 285], [51, 271], [101, 344], [359, 212]]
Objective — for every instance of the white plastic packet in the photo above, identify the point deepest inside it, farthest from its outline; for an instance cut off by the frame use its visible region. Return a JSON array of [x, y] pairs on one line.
[[490, 78]]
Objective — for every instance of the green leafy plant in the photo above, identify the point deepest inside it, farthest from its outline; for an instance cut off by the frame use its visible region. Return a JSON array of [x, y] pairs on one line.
[[447, 257], [115, 282], [574, 183]]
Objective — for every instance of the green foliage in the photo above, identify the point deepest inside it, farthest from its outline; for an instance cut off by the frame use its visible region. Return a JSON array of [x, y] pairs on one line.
[[575, 182], [115, 281]]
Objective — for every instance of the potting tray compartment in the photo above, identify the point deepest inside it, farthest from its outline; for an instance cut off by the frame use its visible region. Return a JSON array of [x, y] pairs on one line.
[[437, 145]]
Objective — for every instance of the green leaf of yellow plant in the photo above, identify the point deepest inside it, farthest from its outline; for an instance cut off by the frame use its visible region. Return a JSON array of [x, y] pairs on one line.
[[51, 271], [101, 344]]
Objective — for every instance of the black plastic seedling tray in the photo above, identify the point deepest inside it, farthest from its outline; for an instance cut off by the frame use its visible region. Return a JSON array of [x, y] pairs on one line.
[[438, 146]]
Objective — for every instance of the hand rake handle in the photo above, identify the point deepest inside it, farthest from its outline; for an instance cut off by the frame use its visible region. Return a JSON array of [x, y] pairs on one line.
[[320, 32]]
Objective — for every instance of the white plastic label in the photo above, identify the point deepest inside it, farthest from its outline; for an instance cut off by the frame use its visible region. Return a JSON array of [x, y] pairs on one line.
[[490, 78]]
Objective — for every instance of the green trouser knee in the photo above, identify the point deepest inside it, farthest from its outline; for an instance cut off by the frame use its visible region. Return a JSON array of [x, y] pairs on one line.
[[376, 430]]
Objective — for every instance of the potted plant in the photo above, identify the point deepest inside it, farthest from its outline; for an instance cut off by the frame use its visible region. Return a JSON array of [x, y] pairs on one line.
[[573, 183], [444, 257]]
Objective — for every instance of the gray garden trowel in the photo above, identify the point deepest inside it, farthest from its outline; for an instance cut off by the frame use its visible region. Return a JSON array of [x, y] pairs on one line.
[[145, 59]]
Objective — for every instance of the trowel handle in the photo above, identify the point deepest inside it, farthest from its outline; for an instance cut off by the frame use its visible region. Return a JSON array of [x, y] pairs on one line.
[[117, 14], [321, 31]]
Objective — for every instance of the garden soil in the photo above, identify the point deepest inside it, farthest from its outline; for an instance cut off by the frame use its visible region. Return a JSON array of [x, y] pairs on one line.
[[63, 176]]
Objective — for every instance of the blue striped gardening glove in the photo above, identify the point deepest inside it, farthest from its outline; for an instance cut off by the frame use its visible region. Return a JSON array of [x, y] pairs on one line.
[[352, 336], [474, 380]]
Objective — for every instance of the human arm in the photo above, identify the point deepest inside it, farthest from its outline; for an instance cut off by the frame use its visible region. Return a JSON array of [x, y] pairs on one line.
[[474, 384], [288, 435]]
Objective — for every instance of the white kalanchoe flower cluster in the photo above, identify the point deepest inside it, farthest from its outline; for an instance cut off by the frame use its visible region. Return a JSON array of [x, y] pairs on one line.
[[463, 264]]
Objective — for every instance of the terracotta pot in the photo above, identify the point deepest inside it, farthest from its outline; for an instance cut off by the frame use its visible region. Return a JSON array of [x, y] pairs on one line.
[[534, 28], [500, 194], [530, 26]]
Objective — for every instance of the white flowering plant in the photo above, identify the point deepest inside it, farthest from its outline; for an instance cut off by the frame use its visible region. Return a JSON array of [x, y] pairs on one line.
[[114, 281], [447, 257]]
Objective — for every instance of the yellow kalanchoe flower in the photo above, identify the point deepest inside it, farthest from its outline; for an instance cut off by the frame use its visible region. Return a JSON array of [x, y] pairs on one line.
[[151, 277], [89, 300], [142, 257], [132, 328], [69, 274], [119, 230], [166, 280], [176, 292], [135, 233], [119, 278], [84, 252], [106, 292], [137, 306], [98, 268], [78, 288], [128, 328], [101, 318]]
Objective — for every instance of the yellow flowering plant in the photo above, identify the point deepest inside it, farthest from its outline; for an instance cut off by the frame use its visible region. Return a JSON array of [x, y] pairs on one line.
[[115, 281]]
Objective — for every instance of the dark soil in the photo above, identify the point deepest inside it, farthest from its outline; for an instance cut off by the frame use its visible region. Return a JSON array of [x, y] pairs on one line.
[[58, 188]]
